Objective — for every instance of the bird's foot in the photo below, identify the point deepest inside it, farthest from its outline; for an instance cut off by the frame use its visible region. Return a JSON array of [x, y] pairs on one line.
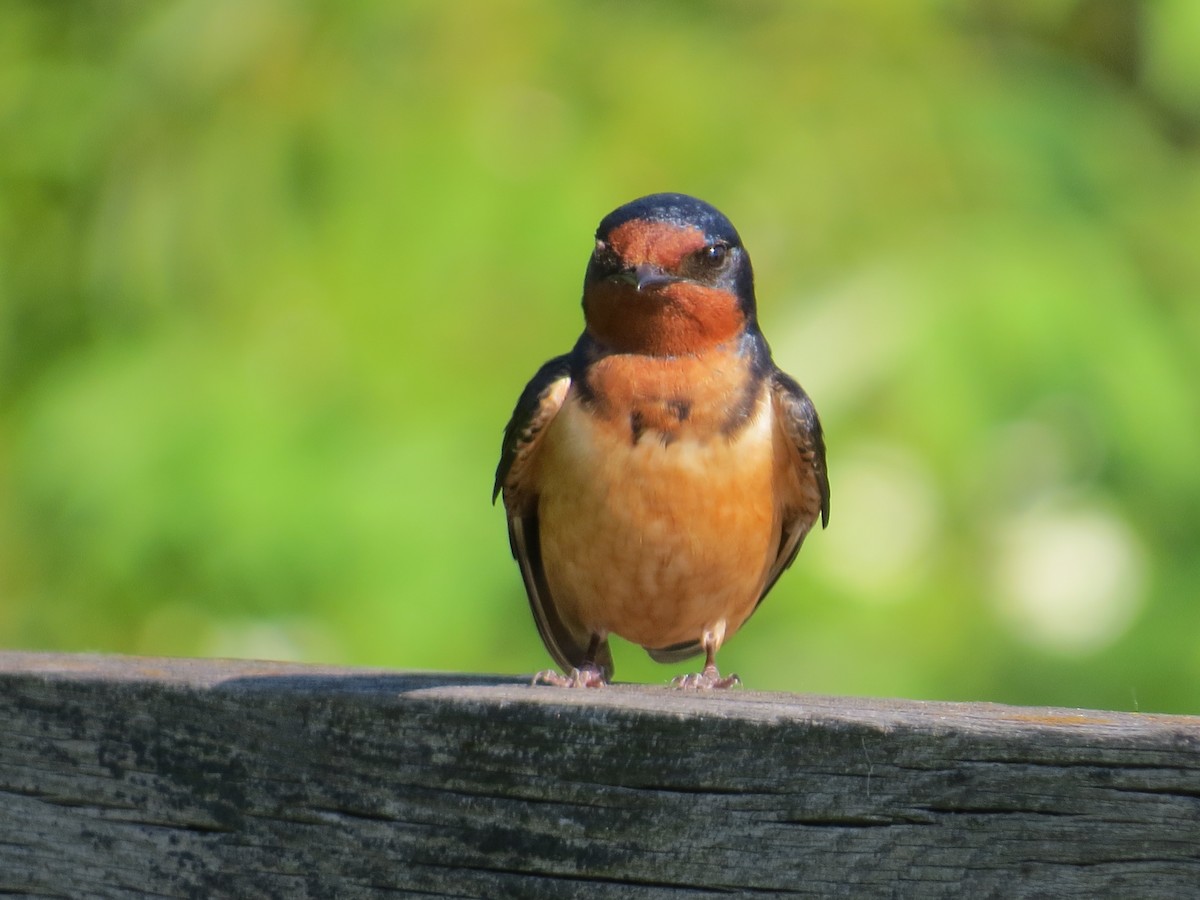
[[709, 679], [586, 676]]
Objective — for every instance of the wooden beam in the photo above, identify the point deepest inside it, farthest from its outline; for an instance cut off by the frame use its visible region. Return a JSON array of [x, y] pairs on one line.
[[124, 777]]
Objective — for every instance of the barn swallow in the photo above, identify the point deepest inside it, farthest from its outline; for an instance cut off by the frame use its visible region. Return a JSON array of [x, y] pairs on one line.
[[660, 477]]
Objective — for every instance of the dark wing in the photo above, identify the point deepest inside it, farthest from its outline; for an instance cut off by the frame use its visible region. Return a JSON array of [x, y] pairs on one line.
[[797, 416], [516, 480], [537, 405]]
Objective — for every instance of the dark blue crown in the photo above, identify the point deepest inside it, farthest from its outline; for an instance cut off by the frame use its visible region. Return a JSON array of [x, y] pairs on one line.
[[677, 209]]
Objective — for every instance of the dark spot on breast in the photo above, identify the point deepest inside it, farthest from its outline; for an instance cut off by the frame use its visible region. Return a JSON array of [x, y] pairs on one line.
[[738, 415], [637, 424], [740, 412], [681, 409]]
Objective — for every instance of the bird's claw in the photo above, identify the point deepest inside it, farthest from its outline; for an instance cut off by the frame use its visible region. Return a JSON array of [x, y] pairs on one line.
[[586, 676], [707, 680]]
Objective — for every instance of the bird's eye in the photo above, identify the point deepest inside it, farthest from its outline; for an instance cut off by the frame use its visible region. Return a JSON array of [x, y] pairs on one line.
[[714, 254]]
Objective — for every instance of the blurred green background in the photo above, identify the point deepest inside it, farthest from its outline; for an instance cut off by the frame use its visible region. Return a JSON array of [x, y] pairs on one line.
[[273, 274]]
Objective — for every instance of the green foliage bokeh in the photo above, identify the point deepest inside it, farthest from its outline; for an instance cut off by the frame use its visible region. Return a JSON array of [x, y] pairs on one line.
[[272, 276]]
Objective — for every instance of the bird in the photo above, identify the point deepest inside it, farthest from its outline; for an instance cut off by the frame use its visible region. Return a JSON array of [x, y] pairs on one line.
[[660, 477]]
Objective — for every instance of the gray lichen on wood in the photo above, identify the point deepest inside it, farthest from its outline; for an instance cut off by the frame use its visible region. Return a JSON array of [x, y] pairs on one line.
[[128, 777]]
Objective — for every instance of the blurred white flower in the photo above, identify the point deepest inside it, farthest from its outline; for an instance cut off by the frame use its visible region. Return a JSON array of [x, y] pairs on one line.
[[1069, 576]]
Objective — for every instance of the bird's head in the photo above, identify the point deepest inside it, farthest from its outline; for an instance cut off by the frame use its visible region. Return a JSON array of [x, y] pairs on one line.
[[669, 276]]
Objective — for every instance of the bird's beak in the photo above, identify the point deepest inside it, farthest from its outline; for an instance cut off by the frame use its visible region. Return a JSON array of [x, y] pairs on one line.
[[645, 277]]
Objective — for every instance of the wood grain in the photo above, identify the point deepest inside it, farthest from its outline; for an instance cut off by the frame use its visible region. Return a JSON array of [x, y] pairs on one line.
[[123, 777]]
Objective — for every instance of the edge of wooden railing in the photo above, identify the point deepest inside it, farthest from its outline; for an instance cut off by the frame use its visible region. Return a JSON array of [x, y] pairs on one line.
[[124, 776]]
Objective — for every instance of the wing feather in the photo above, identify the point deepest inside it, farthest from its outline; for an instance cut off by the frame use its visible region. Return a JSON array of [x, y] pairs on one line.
[[516, 481], [798, 418]]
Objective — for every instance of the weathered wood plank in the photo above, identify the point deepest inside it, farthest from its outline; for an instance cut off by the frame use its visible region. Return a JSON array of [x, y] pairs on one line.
[[126, 777]]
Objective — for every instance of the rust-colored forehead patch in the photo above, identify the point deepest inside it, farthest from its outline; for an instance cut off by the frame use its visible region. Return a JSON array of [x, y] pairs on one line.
[[640, 241]]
